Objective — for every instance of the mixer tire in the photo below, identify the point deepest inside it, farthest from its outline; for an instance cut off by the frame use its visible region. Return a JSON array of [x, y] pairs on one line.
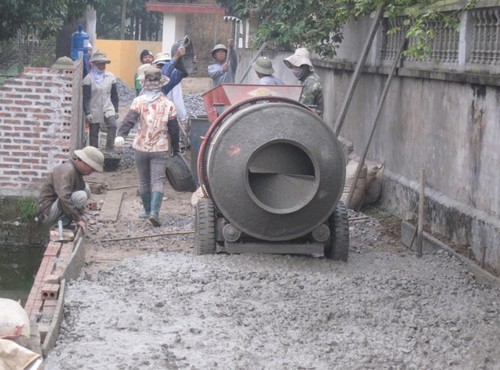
[[204, 240], [338, 246]]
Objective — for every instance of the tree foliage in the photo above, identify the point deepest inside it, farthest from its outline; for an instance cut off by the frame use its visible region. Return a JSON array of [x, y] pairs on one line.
[[318, 24], [42, 17], [140, 25]]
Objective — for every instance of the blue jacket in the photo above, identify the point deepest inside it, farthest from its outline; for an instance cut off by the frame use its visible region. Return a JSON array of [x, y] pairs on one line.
[[174, 74]]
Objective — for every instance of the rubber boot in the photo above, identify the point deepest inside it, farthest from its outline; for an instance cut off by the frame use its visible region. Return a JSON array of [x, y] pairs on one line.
[[154, 216], [146, 203]]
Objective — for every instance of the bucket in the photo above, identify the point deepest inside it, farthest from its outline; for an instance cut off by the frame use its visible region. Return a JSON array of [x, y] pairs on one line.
[[111, 163]]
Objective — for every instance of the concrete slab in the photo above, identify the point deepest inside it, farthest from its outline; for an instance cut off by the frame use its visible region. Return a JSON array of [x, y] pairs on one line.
[[259, 248], [431, 244], [111, 206]]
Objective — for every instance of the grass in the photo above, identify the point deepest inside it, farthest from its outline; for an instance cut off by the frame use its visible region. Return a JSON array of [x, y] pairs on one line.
[[27, 207]]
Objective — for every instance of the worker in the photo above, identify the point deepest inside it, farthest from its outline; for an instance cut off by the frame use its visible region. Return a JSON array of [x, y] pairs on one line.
[[164, 62], [100, 101], [86, 60], [223, 70], [312, 94], [263, 67], [157, 123], [64, 194], [146, 58]]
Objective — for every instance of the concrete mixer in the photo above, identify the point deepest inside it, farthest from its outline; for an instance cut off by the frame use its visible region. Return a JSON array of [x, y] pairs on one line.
[[272, 172]]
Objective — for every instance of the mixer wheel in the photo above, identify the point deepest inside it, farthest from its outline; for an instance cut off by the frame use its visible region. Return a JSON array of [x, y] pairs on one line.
[[204, 241], [338, 246]]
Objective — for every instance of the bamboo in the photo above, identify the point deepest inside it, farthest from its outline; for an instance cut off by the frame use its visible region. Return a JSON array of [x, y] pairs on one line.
[[375, 121], [253, 60], [420, 224], [357, 71]]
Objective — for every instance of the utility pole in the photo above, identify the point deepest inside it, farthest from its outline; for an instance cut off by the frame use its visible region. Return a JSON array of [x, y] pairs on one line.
[[123, 19]]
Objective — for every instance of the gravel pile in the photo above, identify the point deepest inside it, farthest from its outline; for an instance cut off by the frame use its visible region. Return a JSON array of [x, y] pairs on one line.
[[194, 105], [125, 93]]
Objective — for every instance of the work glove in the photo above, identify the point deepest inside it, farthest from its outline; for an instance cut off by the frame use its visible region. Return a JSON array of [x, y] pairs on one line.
[[119, 141], [88, 118]]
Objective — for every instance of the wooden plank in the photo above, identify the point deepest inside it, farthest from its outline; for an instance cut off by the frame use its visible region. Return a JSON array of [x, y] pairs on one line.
[[34, 343], [53, 330], [76, 260], [111, 206]]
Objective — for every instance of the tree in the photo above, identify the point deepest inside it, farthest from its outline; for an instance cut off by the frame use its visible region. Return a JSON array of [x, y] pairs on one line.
[[41, 17], [317, 24], [125, 19]]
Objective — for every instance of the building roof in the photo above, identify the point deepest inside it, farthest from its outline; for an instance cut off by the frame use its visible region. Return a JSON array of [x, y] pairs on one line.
[[197, 8]]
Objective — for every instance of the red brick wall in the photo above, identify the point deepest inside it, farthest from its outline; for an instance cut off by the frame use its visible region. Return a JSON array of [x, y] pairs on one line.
[[40, 125]]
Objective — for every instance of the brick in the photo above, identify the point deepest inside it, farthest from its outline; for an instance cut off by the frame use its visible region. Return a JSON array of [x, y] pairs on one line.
[[67, 249], [53, 249], [49, 303], [91, 205], [33, 308], [50, 291], [53, 278], [33, 83]]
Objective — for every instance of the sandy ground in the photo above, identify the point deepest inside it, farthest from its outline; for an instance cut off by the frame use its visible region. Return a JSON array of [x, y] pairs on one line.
[[152, 304]]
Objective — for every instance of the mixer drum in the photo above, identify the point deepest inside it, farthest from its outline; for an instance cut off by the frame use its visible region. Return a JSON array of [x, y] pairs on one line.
[[275, 170]]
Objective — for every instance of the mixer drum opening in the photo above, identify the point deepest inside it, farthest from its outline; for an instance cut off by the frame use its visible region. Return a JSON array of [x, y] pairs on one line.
[[281, 177]]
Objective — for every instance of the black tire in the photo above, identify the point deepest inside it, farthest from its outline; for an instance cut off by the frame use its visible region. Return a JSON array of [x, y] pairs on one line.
[[204, 238], [179, 174], [337, 248]]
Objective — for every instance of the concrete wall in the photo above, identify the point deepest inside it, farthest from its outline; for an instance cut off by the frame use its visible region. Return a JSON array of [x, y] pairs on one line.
[[446, 123], [124, 56]]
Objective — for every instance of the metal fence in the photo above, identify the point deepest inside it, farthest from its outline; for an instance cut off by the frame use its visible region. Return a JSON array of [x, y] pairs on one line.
[[475, 43], [14, 56]]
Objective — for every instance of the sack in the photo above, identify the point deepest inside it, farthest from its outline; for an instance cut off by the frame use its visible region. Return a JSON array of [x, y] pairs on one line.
[[358, 195], [14, 356], [14, 322], [186, 64], [197, 195], [179, 174], [373, 189]]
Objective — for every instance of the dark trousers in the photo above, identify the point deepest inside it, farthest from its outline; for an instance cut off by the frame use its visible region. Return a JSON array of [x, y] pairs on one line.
[[110, 136]]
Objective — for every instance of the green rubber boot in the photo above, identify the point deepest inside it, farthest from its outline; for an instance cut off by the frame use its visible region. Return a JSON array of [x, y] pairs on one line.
[[146, 203], [154, 216]]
